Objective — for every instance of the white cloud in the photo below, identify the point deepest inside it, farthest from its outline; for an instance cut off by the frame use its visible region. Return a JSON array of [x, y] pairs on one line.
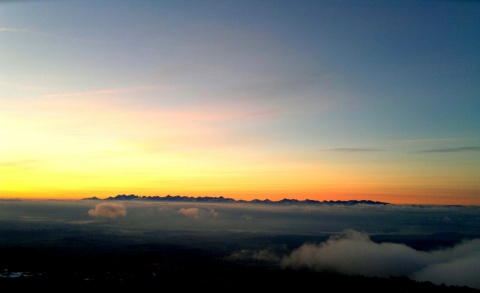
[[190, 212], [108, 210], [460, 272], [197, 213], [353, 253]]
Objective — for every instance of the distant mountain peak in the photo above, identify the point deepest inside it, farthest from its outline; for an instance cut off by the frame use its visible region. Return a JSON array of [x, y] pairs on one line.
[[92, 198]]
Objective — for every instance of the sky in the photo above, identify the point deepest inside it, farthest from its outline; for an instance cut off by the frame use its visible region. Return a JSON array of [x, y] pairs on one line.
[[324, 100]]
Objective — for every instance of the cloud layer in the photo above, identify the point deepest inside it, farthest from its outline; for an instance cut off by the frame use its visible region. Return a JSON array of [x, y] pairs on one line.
[[353, 253], [352, 150], [108, 210], [265, 234]]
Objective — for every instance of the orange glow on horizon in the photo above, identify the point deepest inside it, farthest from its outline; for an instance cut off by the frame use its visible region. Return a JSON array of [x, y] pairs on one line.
[[327, 195]]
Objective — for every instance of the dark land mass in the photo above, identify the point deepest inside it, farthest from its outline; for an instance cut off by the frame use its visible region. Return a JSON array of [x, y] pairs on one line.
[[59, 259], [221, 199]]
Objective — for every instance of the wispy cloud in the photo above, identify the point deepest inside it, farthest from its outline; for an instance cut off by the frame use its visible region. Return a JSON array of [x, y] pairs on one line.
[[111, 98], [434, 140], [352, 150], [450, 150], [106, 91], [45, 34], [13, 30], [21, 164], [24, 87]]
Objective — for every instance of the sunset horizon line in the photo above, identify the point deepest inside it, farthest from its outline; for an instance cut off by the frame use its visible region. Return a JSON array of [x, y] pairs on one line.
[[228, 199]]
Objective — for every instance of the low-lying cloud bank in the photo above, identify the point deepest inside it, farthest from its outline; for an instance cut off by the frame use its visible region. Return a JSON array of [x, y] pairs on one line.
[[108, 210], [353, 253]]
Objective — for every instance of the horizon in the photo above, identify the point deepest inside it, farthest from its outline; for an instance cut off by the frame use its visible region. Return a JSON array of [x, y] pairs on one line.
[[320, 100], [151, 198]]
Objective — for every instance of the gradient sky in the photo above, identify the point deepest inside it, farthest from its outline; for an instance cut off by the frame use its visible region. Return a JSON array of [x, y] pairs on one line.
[[325, 100]]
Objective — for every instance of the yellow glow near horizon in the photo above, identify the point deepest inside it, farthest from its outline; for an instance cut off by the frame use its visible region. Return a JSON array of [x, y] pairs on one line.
[[143, 174], [70, 149]]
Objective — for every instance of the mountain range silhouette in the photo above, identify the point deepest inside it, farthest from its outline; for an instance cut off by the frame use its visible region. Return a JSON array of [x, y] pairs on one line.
[[221, 199]]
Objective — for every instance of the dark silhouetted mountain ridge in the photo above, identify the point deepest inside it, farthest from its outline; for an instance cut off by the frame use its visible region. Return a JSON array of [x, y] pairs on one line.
[[221, 199]]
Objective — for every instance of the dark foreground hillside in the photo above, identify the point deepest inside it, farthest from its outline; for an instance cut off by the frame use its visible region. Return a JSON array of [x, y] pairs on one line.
[[173, 269], [219, 280]]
